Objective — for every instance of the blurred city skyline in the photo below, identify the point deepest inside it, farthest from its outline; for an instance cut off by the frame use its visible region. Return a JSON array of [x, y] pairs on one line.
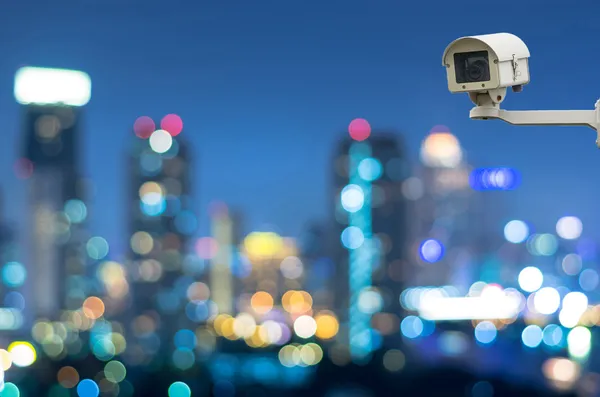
[[251, 87]]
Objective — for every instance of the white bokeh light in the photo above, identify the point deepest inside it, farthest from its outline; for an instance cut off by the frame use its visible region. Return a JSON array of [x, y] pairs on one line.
[[546, 301], [531, 279], [569, 227], [353, 198], [161, 141], [305, 326], [516, 231]]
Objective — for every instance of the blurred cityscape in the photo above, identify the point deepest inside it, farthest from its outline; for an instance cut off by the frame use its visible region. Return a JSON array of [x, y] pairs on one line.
[[419, 267]]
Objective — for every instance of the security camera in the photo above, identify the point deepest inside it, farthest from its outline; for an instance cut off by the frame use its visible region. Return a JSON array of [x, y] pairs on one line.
[[485, 66]]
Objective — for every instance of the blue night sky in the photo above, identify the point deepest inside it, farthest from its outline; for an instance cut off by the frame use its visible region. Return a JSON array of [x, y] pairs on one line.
[[266, 88]]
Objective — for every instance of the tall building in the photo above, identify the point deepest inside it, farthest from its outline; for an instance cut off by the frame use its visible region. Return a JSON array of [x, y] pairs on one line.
[[371, 214], [223, 275], [160, 224], [451, 215], [52, 131]]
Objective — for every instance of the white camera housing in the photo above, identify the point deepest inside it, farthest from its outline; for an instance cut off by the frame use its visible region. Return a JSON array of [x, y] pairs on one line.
[[487, 63]]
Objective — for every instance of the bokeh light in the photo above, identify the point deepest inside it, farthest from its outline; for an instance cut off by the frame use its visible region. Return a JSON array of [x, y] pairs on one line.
[[327, 325], [172, 123], [88, 388], [546, 300], [431, 251], [352, 198], [262, 302], [143, 127], [359, 129], [161, 141], [516, 231], [23, 354], [494, 179], [531, 279], [532, 336], [68, 377], [179, 389], [569, 227], [370, 169], [441, 150], [305, 326], [486, 332]]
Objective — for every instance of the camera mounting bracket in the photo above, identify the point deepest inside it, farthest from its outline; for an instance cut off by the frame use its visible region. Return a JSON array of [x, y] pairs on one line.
[[487, 109]]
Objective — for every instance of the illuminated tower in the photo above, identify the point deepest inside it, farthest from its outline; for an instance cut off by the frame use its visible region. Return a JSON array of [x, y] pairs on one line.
[[160, 224], [372, 223], [52, 129]]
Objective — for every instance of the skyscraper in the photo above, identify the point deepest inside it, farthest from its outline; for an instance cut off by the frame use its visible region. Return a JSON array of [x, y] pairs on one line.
[[371, 215], [52, 132], [160, 224], [450, 214]]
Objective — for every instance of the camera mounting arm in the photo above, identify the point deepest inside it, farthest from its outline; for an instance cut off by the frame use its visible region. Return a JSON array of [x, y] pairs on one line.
[[588, 118]]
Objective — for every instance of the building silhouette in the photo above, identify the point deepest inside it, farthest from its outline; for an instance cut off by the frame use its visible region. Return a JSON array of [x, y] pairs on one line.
[[376, 168], [51, 163], [160, 224]]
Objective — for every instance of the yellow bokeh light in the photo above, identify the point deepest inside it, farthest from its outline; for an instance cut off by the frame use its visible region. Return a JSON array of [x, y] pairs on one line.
[[142, 243], [263, 245], [93, 308], [261, 302], [327, 325], [23, 354], [297, 302], [218, 322], [5, 360], [227, 329]]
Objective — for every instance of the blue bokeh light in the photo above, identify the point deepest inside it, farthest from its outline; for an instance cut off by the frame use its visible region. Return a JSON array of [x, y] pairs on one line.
[[485, 332], [352, 237], [532, 336], [14, 274], [154, 209], [494, 179], [179, 389], [411, 327], [370, 169], [431, 250], [88, 388]]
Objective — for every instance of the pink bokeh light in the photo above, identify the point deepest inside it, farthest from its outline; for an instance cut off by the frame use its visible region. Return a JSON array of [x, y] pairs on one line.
[[359, 129], [144, 127], [207, 247], [172, 123]]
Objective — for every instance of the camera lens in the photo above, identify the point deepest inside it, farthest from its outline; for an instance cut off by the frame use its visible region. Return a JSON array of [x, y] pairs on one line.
[[476, 70]]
